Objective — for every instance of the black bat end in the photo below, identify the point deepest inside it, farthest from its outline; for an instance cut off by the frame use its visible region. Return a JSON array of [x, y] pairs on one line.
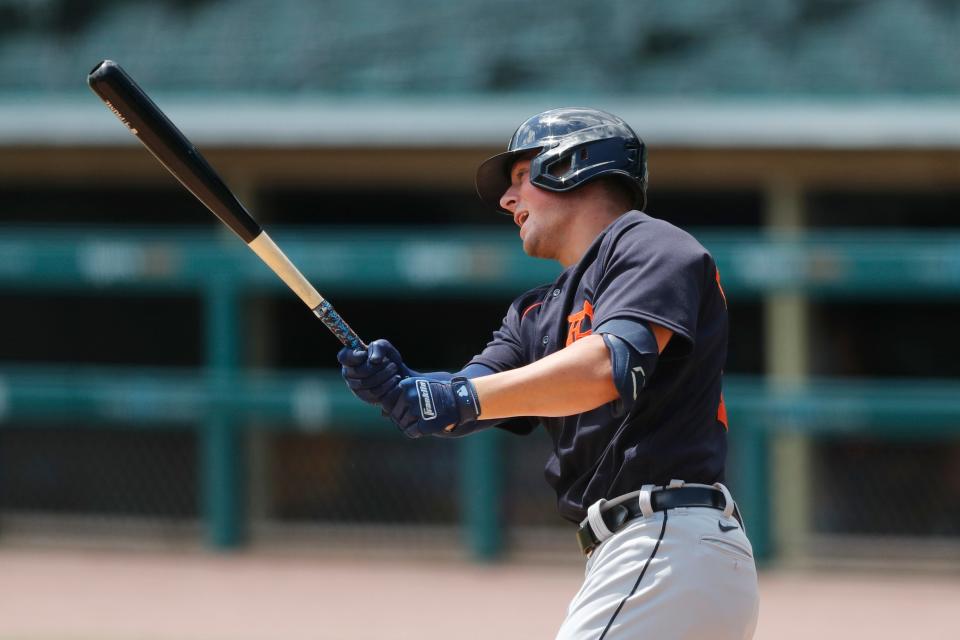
[[104, 72], [144, 119], [100, 64]]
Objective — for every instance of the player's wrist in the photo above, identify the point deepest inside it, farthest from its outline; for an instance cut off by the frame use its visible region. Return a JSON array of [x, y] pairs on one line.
[[436, 407], [466, 400]]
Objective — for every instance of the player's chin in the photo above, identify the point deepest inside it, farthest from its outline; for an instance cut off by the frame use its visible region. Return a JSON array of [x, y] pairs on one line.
[[530, 245], [538, 250]]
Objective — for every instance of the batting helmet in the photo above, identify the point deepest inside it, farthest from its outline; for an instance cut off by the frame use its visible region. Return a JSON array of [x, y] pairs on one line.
[[573, 146]]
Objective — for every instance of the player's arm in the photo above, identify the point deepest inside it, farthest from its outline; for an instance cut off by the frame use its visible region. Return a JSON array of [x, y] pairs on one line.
[[374, 374], [573, 380], [589, 373]]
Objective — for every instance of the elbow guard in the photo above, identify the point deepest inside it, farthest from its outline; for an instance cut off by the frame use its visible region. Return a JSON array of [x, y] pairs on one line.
[[632, 364]]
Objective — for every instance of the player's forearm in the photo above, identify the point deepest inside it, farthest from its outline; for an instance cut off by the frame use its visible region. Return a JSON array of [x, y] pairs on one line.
[[572, 380]]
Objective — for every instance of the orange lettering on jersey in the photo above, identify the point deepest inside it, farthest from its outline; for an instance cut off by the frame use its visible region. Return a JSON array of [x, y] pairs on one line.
[[719, 286], [722, 413], [580, 323]]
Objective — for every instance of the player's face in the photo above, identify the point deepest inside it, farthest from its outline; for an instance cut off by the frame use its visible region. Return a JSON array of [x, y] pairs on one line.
[[541, 215]]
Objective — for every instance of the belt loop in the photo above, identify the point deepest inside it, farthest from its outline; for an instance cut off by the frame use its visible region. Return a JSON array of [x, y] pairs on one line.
[[729, 505], [646, 506], [597, 524], [675, 484]]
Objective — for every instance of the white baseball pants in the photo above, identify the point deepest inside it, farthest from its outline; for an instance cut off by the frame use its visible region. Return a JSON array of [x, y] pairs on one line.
[[685, 573]]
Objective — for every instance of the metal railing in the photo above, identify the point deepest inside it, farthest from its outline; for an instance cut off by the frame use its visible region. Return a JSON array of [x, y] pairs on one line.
[[222, 400]]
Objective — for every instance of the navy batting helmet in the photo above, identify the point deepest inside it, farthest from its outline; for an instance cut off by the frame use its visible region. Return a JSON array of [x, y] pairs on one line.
[[572, 147]]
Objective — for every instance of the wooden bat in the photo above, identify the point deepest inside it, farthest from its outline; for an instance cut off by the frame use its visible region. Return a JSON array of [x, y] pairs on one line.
[[161, 137]]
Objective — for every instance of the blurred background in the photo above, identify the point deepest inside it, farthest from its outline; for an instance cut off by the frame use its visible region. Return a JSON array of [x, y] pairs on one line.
[[160, 389]]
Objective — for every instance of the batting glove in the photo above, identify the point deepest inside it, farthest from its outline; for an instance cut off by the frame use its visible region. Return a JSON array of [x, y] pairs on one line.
[[374, 373], [427, 406]]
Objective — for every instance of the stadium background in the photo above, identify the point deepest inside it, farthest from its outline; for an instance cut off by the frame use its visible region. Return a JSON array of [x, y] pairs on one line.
[[159, 390]]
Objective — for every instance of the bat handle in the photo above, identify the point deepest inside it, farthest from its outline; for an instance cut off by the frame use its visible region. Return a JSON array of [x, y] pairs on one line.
[[329, 316]]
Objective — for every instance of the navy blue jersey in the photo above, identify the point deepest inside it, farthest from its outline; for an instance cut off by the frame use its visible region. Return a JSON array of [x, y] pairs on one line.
[[638, 270]]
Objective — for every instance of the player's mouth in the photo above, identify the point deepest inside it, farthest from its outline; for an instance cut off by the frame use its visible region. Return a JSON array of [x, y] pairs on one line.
[[521, 217]]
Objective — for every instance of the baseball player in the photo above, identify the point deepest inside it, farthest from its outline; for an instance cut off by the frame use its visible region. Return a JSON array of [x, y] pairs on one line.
[[620, 359]]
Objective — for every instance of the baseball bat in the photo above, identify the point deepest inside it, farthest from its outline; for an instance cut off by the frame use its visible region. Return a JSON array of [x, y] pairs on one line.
[[161, 137]]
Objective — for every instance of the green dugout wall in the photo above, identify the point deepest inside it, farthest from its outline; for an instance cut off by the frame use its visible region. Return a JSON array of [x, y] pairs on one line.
[[223, 401]]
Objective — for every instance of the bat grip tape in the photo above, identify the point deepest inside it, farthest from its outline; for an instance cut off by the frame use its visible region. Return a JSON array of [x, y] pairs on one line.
[[329, 316]]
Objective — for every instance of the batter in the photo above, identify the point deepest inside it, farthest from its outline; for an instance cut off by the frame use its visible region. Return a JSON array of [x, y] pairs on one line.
[[620, 360]]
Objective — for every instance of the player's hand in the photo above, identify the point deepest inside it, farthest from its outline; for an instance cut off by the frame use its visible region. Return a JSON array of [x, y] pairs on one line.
[[372, 374], [427, 406]]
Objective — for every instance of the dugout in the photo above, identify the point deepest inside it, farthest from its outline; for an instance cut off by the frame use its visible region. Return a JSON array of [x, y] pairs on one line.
[[824, 217], [157, 386]]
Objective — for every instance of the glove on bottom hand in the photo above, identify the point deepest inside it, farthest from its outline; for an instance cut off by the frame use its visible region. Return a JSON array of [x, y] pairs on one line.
[[428, 407]]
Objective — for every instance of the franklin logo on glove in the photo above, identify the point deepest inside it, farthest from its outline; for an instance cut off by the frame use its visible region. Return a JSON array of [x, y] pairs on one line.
[[426, 399]]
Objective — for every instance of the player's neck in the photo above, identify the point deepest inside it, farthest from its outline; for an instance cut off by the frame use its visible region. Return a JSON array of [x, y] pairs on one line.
[[582, 234]]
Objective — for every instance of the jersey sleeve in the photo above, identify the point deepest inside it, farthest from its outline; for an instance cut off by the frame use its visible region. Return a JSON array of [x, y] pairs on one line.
[[653, 275], [506, 349]]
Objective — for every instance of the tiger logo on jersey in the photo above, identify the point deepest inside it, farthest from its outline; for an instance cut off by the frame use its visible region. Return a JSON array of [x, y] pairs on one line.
[[580, 324]]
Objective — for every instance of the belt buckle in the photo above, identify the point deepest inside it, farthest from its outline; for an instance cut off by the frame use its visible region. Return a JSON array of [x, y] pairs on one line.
[[585, 540]]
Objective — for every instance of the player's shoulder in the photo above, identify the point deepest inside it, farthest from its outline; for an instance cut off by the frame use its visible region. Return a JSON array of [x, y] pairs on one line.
[[636, 231]]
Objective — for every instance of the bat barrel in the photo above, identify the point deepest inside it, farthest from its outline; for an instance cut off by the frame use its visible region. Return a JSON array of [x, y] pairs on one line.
[[161, 137]]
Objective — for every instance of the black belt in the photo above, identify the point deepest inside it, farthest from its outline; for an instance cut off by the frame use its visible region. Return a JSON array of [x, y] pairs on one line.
[[660, 500]]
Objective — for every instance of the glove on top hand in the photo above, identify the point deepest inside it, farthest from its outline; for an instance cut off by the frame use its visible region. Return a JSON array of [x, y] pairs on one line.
[[373, 375], [419, 403]]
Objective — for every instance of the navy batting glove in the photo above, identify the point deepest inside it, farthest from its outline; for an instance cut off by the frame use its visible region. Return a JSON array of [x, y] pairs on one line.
[[434, 407], [373, 374]]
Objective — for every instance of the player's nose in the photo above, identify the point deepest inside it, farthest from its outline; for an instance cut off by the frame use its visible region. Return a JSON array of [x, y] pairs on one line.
[[508, 200]]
